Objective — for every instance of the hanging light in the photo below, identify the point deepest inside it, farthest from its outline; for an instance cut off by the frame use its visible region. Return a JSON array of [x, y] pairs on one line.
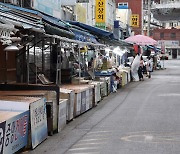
[[11, 48]]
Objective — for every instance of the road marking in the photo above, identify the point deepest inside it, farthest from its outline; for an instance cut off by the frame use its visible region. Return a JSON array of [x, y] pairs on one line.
[[169, 95]]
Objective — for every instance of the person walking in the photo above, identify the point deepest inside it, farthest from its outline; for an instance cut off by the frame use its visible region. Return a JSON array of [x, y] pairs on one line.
[[140, 69], [149, 67]]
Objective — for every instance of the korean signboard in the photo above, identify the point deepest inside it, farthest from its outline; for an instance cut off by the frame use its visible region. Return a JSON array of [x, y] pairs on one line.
[[38, 122], [135, 20], [14, 133], [100, 11]]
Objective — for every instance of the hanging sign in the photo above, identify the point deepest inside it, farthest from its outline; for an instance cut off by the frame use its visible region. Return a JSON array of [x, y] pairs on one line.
[[135, 20], [100, 11]]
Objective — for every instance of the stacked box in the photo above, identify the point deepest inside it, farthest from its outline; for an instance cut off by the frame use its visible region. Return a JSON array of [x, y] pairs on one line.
[[96, 92], [127, 70], [124, 78], [13, 131], [69, 95], [51, 96], [81, 97], [38, 117], [87, 100], [77, 104], [62, 114], [83, 101], [91, 97], [103, 89]]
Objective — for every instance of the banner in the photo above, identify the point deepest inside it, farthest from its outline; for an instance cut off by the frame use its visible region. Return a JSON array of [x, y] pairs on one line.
[[135, 20], [100, 11], [38, 119]]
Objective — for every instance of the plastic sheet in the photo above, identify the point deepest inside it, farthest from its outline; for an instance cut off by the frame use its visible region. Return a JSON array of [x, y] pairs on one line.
[[134, 68]]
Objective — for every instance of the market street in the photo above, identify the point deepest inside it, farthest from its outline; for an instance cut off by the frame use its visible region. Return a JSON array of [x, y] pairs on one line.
[[141, 118]]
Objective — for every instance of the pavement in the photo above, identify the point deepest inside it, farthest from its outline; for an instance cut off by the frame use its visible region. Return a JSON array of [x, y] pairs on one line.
[[141, 118]]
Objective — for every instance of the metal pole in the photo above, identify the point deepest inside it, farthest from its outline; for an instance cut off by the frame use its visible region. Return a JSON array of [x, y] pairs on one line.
[[142, 18], [149, 17], [79, 62], [35, 59], [42, 55], [28, 64]]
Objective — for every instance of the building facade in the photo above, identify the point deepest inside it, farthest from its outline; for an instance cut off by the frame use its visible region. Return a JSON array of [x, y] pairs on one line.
[[136, 8], [170, 38]]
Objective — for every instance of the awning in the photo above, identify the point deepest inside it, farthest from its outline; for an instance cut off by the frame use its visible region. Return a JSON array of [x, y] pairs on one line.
[[106, 36], [28, 17], [94, 30], [82, 35], [20, 19]]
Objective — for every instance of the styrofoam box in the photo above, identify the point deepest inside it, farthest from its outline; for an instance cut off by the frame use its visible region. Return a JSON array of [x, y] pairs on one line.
[[62, 114], [77, 104], [70, 95], [83, 101]]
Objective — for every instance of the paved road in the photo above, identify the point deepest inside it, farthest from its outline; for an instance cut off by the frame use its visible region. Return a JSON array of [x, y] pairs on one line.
[[142, 118]]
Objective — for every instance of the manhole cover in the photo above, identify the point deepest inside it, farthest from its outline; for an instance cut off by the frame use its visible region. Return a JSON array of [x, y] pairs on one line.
[[152, 137]]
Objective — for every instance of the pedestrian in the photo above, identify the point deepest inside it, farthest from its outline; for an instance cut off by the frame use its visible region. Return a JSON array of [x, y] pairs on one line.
[[140, 69], [149, 67]]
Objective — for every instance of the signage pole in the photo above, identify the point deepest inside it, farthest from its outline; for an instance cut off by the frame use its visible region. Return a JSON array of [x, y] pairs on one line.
[[149, 17]]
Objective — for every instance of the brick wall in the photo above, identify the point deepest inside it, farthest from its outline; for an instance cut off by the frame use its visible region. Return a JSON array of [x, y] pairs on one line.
[[166, 34]]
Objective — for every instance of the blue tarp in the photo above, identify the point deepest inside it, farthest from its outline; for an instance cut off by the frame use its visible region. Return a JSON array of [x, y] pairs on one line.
[[83, 36], [93, 30], [154, 48]]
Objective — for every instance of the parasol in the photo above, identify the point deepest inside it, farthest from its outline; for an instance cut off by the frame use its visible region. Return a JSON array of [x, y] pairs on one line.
[[141, 40]]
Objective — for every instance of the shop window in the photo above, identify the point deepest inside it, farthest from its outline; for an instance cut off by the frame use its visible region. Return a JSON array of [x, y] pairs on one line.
[[122, 5], [173, 35], [179, 52], [161, 35]]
